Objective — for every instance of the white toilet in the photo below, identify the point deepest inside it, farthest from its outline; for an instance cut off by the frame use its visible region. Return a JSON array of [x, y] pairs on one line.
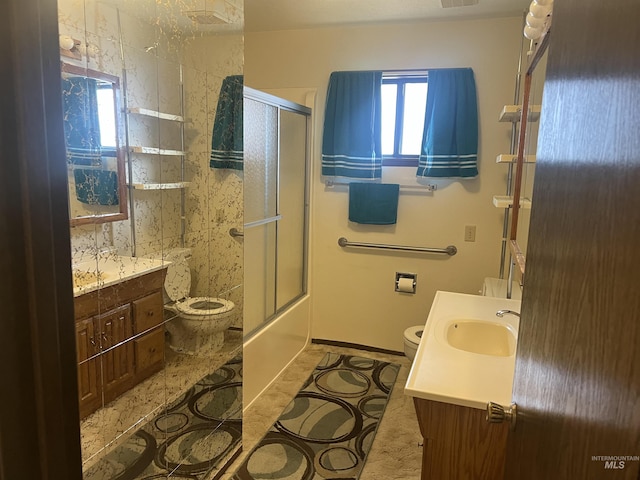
[[201, 322], [412, 336]]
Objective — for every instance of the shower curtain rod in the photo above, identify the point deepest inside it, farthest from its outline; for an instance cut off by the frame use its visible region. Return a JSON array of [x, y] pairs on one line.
[[408, 72]]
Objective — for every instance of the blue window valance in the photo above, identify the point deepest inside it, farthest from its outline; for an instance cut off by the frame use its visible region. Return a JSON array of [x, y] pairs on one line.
[[450, 138], [351, 141]]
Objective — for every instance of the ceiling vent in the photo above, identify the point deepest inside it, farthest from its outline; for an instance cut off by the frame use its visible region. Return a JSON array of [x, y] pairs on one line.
[[215, 12], [457, 3], [204, 17]]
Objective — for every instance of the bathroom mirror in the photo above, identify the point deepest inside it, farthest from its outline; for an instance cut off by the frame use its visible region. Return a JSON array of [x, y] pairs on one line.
[[160, 392], [95, 160]]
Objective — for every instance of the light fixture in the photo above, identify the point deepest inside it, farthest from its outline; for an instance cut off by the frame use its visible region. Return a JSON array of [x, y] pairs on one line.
[[538, 19]]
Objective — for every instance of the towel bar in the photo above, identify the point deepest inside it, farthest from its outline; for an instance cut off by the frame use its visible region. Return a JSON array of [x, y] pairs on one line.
[[427, 188], [234, 232], [450, 250]]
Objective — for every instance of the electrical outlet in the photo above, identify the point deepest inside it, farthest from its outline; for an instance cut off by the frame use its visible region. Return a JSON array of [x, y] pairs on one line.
[[470, 233]]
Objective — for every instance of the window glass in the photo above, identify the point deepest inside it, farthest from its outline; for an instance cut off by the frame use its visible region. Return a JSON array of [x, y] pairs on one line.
[[415, 102], [404, 100], [106, 116], [389, 102]]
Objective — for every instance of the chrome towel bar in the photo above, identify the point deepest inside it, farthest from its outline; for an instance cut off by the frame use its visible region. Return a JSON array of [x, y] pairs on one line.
[[234, 232], [426, 188], [450, 250]]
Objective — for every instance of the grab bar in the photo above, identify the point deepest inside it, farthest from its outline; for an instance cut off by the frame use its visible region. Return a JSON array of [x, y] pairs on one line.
[[234, 232], [450, 250]]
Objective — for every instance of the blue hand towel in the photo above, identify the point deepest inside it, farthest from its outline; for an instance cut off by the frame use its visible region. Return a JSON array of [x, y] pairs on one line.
[[96, 187], [373, 203], [227, 150]]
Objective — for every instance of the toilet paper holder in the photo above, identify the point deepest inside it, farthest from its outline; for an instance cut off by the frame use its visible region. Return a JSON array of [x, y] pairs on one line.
[[406, 282]]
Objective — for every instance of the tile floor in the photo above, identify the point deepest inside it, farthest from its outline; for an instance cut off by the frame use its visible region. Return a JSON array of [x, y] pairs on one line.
[[108, 427], [395, 453]]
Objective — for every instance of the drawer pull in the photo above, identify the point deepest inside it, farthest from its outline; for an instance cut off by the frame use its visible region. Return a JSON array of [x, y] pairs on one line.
[[150, 313]]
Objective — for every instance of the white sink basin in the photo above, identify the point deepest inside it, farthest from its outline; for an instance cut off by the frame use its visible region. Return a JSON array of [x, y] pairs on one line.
[[481, 337], [467, 354]]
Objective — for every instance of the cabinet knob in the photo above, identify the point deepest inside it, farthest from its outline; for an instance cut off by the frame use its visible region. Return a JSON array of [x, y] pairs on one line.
[[497, 414], [150, 313]]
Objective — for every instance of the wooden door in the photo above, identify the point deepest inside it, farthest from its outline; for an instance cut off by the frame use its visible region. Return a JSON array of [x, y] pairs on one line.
[[577, 380], [116, 328], [89, 391]]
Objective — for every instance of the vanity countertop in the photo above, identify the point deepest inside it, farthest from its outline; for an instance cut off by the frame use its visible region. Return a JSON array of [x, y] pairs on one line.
[[443, 373], [110, 270]]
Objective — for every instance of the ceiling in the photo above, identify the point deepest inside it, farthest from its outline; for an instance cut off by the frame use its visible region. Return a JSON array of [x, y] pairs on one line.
[[265, 15]]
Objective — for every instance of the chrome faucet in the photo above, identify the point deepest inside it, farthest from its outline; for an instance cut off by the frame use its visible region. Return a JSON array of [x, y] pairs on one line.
[[501, 313]]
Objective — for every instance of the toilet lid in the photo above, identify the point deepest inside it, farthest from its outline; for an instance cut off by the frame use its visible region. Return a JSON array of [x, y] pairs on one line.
[[414, 334], [204, 306], [178, 280]]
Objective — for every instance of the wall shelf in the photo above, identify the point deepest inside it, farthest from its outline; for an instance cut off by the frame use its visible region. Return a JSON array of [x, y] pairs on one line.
[[155, 114], [156, 151], [159, 186], [512, 158], [511, 113], [504, 201]]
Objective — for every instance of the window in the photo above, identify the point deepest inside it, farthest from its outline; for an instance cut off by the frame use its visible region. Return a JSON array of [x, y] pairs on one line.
[[404, 99]]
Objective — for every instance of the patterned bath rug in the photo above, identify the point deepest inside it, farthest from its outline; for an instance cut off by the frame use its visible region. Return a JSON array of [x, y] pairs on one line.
[[328, 428], [188, 439]]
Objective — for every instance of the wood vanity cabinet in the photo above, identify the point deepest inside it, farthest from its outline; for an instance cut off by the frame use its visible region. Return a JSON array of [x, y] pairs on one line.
[[119, 338], [458, 442]]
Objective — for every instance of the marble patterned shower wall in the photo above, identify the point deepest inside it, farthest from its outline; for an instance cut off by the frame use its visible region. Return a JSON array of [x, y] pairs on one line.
[[154, 53], [214, 200]]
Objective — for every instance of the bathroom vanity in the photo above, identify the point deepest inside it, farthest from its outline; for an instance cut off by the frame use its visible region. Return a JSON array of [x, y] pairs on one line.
[[119, 332], [465, 359]]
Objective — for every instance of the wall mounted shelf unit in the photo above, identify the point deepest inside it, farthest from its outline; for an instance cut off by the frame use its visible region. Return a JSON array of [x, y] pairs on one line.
[[513, 113], [156, 151], [159, 186], [513, 158], [135, 150], [155, 114]]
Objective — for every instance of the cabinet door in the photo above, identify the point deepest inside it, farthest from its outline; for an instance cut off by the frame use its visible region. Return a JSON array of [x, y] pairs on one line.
[[149, 353], [89, 391], [117, 351], [147, 312]]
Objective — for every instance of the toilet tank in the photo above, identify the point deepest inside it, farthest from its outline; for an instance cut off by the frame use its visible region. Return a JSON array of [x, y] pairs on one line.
[[173, 254]]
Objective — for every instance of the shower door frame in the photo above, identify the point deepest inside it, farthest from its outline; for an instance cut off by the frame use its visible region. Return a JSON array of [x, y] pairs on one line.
[[282, 104]]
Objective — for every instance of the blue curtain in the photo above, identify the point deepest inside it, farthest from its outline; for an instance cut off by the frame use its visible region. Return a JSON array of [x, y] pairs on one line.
[[81, 121], [450, 139], [351, 141], [226, 138]]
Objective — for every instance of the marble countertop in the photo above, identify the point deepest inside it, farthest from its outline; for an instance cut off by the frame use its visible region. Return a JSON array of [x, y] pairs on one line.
[[109, 270]]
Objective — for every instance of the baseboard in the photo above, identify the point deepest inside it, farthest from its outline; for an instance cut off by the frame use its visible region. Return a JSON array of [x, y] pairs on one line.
[[333, 343]]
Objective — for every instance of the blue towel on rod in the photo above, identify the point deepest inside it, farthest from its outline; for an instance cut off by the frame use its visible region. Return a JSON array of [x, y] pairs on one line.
[[373, 203], [96, 187], [227, 147]]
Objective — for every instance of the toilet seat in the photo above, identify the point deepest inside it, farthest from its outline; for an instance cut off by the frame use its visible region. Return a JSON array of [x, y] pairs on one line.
[[414, 334], [197, 306]]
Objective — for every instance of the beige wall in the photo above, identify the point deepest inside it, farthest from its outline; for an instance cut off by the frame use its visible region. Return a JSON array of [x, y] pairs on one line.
[[352, 292]]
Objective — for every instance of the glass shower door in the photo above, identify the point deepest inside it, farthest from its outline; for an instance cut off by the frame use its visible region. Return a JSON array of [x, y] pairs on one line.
[[275, 163]]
